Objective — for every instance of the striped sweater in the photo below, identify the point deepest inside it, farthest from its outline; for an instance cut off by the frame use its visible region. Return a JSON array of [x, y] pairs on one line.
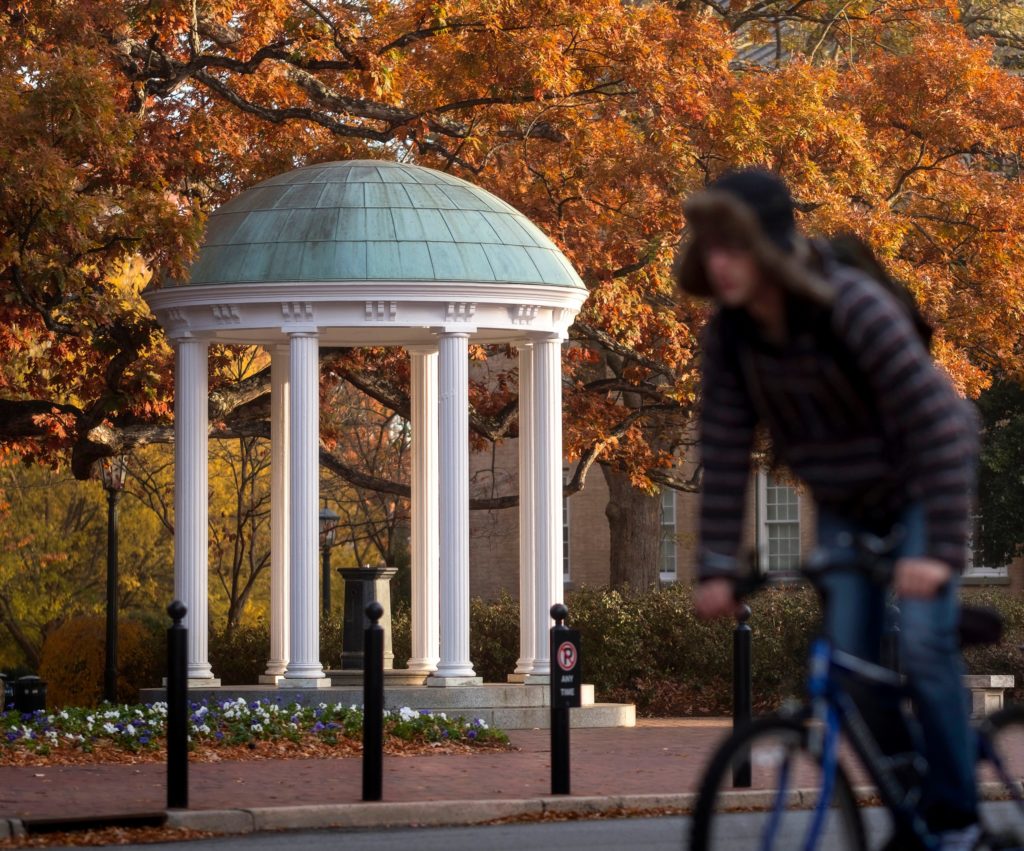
[[855, 408]]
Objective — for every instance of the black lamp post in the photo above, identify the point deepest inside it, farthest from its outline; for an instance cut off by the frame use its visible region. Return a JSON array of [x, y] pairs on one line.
[[113, 471], [328, 527]]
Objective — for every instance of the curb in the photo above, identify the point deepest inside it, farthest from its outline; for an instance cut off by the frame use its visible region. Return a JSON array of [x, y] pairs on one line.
[[454, 813], [416, 813]]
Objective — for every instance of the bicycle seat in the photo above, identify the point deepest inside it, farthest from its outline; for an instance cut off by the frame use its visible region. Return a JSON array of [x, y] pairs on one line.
[[980, 625]]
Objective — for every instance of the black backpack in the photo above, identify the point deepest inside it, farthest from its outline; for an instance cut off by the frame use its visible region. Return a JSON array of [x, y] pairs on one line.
[[850, 250]]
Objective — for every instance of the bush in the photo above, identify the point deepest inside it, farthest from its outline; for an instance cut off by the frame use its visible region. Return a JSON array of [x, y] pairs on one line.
[[72, 661], [650, 649], [239, 657]]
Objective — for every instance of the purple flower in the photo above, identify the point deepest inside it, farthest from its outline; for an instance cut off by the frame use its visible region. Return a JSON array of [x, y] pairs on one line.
[[12, 736], [218, 735], [444, 734], [143, 740], [317, 727], [471, 734]]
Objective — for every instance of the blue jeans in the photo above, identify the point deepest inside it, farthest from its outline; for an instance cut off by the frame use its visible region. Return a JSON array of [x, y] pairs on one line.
[[929, 649]]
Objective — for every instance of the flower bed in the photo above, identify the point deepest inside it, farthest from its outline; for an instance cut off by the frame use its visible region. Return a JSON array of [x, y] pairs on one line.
[[227, 730]]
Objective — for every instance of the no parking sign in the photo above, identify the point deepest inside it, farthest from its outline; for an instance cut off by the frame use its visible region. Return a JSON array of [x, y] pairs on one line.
[[566, 672]]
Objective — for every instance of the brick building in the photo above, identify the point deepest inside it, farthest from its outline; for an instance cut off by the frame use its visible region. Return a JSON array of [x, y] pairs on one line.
[[780, 525]]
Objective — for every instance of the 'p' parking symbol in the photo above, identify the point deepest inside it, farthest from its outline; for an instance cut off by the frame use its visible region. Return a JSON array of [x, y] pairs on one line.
[[566, 656]]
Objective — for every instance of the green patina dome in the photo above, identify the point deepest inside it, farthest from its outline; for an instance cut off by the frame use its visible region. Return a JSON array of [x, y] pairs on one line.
[[364, 220]]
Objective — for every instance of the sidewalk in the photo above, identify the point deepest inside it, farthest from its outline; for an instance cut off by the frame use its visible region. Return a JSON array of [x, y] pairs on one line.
[[660, 757]]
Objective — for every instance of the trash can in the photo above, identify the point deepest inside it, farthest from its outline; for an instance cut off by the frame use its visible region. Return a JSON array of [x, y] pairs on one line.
[[29, 694], [6, 692]]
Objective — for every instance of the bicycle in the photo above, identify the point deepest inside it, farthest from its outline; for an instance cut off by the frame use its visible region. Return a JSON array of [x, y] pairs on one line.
[[802, 794]]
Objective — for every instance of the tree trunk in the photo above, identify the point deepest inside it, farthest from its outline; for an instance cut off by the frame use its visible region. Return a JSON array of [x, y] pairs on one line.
[[634, 520]]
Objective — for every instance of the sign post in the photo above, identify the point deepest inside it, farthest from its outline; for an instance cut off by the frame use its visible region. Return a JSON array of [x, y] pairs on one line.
[[566, 680]]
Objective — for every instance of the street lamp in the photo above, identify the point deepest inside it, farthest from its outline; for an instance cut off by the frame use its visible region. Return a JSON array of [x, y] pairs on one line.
[[113, 471], [328, 527]]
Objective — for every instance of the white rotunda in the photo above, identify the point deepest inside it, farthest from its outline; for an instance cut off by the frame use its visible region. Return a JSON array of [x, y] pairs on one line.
[[368, 253]]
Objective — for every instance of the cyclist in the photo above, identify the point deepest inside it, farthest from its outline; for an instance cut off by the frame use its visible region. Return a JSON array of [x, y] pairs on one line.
[[828, 359]]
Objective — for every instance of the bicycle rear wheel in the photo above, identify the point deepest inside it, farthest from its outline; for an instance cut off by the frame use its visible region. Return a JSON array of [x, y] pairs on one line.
[[1001, 775], [777, 811]]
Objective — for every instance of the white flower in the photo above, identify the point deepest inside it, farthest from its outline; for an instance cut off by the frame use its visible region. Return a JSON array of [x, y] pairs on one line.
[[109, 729], [130, 730], [257, 728], [407, 714]]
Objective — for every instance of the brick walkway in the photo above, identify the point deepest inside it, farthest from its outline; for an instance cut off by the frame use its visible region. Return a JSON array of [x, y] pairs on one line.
[[657, 756]]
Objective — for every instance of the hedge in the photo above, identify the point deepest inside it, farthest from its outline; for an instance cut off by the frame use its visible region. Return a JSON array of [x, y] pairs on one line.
[[644, 648]]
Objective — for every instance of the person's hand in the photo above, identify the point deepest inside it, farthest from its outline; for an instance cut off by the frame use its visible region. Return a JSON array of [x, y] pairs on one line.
[[921, 577], [713, 598]]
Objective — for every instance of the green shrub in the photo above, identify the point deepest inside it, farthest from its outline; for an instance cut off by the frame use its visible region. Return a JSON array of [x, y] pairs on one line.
[[240, 656], [73, 659]]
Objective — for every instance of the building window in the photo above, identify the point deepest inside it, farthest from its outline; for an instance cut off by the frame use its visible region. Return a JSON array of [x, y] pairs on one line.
[[974, 569], [779, 510], [668, 535], [565, 528]]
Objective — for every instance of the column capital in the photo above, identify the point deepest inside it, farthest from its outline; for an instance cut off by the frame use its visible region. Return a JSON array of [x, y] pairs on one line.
[[548, 337], [181, 336], [301, 333], [454, 331]]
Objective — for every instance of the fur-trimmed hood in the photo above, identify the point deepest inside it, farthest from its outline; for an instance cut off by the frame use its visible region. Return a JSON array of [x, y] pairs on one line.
[[722, 213]]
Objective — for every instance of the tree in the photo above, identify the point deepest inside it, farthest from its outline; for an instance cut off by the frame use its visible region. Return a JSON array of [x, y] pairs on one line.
[[53, 556], [594, 117], [999, 534]]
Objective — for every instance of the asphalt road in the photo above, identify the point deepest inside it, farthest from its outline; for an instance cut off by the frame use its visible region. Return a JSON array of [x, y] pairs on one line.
[[650, 834]]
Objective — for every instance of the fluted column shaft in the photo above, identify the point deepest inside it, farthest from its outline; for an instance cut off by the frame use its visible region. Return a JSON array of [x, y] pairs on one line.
[[547, 494], [279, 514], [304, 440], [453, 480], [527, 579], [425, 580], [190, 499]]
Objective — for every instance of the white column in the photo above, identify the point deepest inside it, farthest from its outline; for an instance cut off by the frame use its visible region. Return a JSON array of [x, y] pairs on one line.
[[527, 579], [190, 501], [547, 492], [425, 633], [304, 669], [279, 515], [453, 480]]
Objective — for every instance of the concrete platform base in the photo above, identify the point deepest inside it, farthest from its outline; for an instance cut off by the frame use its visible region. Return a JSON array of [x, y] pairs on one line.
[[392, 677], [294, 683], [453, 682], [508, 706]]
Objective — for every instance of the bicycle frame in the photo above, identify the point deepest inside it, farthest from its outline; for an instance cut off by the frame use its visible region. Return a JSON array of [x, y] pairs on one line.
[[832, 710]]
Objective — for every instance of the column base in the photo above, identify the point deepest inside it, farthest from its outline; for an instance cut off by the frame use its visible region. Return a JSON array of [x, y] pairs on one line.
[[422, 666], [197, 682], [443, 682], [517, 678], [270, 679], [537, 679], [304, 682]]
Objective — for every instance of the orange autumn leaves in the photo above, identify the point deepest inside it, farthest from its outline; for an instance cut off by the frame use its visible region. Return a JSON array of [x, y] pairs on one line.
[[594, 118]]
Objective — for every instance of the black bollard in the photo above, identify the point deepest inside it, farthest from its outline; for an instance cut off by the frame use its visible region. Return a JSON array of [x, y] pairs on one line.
[[741, 689], [565, 694], [177, 709], [373, 704]]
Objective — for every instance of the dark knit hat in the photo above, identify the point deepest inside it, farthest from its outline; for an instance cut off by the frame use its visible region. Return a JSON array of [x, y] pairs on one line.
[[751, 208], [768, 196]]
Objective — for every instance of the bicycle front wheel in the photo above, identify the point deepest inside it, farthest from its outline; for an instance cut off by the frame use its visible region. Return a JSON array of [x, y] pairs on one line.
[[777, 810], [1001, 774]]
